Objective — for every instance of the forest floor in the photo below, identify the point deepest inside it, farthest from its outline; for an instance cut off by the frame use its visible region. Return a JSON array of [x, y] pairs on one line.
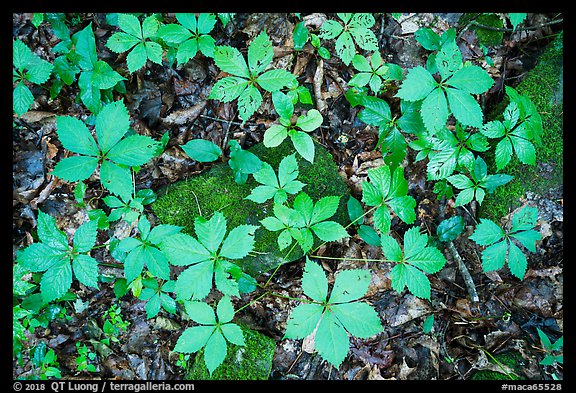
[[466, 335]]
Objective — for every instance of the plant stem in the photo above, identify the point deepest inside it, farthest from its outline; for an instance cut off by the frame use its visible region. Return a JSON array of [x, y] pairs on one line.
[[350, 259], [464, 272]]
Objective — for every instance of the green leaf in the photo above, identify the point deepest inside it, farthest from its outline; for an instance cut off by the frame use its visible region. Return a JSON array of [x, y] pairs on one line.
[[38, 257], [427, 38], [517, 261], [230, 60], [85, 236], [358, 318], [287, 170], [325, 208], [174, 33], [369, 235], [428, 324], [130, 24], [211, 232], [450, 228], [225, 310], [233, 333], [464, 107], [56, 281], [404, 275], [86, 270], [116, 179], [49, 233], [150, 26], [310, 121], [365, 38], [195, 282], [75, 168], [134, 262], [153, 306], [85, 48], [112, 123], [243, 160], [524, 219], [303, 320], [154, 52], [206, 22], [330, 29], [274, 80], [329, 231], [39, 70], [487, 232], [89, 94], [121, 42], [448, 59], [239, 242], [345, 47], [434, 110], [193, 339], [527, 238], [104, 76], [137, 58], [282, 104], [182, 249], [275, 135], [22, 99], [494, 256], [314, 281], [157, 263], [331, 340], [303, 144], [376, 112], [248, 102], [134, 150], [75, 136], [215, 351], [355, 210], [349, 285], [21, 55], [260, 53], [261, 194], [202, 150], [228, 88], [472, 79], [300, 36], [418, 84], [503, 153], [200, 312]]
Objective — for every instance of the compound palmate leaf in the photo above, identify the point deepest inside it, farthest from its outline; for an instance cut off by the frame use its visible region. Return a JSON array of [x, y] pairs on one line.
[[500, 243], [332, 318], [417, 260], [208, 256], [53, 256], [212, 333], [388, 190]]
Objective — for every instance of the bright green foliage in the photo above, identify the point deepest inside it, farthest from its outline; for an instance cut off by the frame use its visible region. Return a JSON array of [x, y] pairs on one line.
[[114, 152], [301, 35], [450, 228], [304, 219], [127, 211], [449, 150], [209, 256], [143, 251], [354, 30], [430, 40], [242, 162], [391, 140], [452, 95], [414, 261], [553, 350], [226, 17], [85, 355], [247, 77], [114, 324], [521, 125], [428, 324], [45, 362], [202, 150], [213, 332], [356, 214], [157, 296], [277, 187], [26, 66], [374, 72], [190, 35], [136, 38], [95, 75], [475, 187], [295, 129], [59, 262], [386, 190], [332, 318], [516, 18], [501, 248]]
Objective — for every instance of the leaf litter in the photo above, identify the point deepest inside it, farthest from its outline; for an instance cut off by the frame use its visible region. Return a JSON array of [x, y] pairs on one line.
[[174, 101]]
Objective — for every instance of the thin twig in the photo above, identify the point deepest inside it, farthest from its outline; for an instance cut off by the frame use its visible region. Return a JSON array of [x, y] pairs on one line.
[[464, 272]]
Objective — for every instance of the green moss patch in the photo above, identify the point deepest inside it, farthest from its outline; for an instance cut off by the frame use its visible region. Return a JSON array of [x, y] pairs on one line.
[[216, 190], [250, 362], [544, 86], [512, 360]]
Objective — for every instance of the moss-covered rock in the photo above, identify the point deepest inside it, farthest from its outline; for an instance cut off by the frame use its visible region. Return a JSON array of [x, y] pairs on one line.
[[216, 190], [512, 360], [250, 362], [544, 86]]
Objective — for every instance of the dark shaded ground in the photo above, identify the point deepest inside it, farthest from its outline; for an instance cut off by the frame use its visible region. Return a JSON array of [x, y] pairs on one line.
[[162, 99]]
